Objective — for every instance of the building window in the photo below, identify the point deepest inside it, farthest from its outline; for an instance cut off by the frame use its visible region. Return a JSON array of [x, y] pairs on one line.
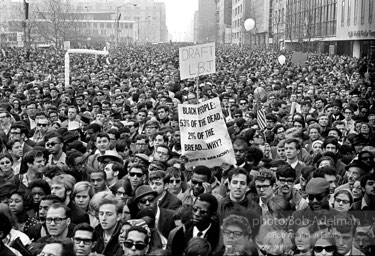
[[349, 14], [355, 11], [370, 10], [363, 11], [343, 13]]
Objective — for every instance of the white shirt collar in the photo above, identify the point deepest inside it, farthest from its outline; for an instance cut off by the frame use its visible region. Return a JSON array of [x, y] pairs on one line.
[[196, 231]]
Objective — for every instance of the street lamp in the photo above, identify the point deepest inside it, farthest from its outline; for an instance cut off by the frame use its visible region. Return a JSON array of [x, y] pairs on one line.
[[117, 20]]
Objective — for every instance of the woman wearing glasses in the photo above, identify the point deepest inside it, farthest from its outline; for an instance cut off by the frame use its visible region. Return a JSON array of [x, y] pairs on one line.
[[324, 244], [343, 200]]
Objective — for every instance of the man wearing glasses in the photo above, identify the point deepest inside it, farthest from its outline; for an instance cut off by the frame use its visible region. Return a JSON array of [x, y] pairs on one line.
[[145, 198], [84, 239], [201, 225], [136, 241], [285, 177], [317, 190], [54, 145], [58, 223], [42, 126]]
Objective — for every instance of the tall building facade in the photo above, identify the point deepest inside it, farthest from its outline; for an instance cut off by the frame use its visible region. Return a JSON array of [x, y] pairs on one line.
[[205, 21], [224, 21], [355, 30]]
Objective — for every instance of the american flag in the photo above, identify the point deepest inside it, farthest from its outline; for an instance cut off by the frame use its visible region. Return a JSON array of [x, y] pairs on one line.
[[261, 119]]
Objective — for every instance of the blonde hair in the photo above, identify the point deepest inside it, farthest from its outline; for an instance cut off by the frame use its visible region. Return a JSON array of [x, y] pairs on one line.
[[277, 242]]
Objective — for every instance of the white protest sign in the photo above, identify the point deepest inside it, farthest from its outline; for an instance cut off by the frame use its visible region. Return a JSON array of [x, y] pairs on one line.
[[197, 60], [204, 135]]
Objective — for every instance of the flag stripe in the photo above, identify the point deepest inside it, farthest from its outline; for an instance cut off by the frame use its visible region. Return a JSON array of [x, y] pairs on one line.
[[261, 119]]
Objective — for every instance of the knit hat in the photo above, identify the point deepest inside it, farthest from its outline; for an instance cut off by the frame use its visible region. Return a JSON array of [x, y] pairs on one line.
[[144, 190], [317, 186]]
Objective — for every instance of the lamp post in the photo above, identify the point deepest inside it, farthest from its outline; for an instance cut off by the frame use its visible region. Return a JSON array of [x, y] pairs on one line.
[[117, 20]]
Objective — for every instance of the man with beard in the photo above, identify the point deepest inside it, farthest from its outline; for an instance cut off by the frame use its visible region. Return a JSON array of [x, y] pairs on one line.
[[108, 231], [364, 209], [202, 224], [317, 190], [146, 198], [62, 186], [285, 177]]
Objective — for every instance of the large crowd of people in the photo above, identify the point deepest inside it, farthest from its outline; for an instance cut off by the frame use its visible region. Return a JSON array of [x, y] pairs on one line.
[[96, 166]]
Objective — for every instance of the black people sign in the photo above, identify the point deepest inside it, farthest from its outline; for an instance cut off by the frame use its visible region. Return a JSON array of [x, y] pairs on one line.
[[204, 135], [197, 60]]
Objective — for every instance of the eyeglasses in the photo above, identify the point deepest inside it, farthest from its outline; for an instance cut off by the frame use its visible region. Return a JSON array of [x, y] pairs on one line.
[[138, 245], [51, 144], [195, 182], [132, 174], [265, 253], [262, 187], [42, 125], [243, 103], [170, 181], [283, 181], [78, 240], [238, 116], [56, 220], [151, 127], [15, 133], [236, 234], [6, 162], [317, 197], [343, 201], [147, 199], [162, 153], [319, 249], [196, 209]]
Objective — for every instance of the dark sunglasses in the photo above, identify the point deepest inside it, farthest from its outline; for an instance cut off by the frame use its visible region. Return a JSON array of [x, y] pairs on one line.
[[42, 125], [148, 199], [317, 197], [195, 182], [52, 144], [132, 174], [319, 249], [138, 246]]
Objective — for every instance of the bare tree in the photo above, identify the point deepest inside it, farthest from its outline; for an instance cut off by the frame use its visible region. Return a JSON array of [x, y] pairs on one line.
[[58, 22], [18, 24]]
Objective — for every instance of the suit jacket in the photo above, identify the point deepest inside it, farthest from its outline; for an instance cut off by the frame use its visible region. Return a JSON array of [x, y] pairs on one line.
[[180, 237], [77, 214], [166, 221], [170, 201]]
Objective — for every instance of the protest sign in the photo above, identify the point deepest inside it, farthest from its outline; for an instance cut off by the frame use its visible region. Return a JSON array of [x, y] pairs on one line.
[[299, 58], [204, 135], [197, 60]]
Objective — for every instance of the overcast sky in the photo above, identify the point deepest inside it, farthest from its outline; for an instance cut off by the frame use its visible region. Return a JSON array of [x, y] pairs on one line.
[[180, 14]]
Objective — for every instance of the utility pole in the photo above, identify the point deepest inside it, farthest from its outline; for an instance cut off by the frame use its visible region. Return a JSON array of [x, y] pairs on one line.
[[24, 24]]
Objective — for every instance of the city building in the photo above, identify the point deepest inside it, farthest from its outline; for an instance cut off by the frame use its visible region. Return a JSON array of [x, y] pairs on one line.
[[205, 21], [85, 22], [331, 26]]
